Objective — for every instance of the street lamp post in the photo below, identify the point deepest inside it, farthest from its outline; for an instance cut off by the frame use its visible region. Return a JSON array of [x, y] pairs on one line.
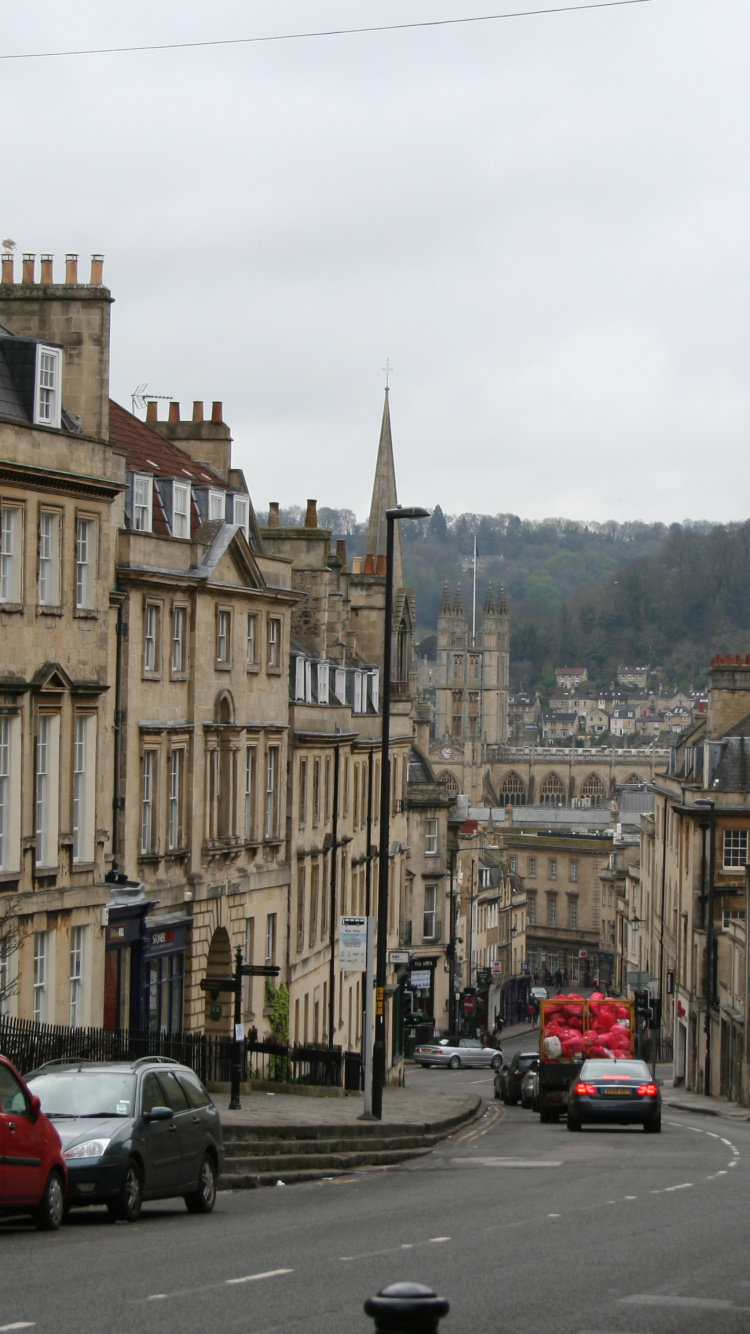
[[378, 1054], [710, 825]]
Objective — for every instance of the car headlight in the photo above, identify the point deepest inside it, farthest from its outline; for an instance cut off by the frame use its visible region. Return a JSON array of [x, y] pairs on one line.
[[90, 1148]]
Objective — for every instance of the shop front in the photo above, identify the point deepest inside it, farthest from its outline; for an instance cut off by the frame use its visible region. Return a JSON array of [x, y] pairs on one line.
[[164, 973]]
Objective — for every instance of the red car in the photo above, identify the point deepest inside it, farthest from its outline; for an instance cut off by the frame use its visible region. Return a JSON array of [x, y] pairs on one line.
[[33, 1176]]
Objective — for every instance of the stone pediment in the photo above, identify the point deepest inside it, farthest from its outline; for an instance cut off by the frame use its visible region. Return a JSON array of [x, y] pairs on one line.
[[229, 561], [51, 677]]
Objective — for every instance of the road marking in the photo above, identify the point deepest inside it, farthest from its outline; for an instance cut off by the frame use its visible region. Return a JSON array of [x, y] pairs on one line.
[[553, 1215], [505, 1162], [253, 1278], [210, 1287], [699, 1303], [631, 1197], [19, 1324], [685, 1185], [394, 1250]]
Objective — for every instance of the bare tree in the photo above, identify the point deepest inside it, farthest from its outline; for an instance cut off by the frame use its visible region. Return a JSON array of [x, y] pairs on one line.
[[9, 945]]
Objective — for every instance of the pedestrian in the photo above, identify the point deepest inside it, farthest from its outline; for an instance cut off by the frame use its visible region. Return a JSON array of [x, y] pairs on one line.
[[565, 978], [499, 1025], [531, 1013]]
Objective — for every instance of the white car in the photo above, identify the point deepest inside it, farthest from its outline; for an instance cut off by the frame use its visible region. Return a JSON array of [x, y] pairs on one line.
[[455, 1052]]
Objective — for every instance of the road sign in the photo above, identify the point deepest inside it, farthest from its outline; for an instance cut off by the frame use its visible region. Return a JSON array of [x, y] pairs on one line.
[[468, 1004], [638, 980], [352, 944]]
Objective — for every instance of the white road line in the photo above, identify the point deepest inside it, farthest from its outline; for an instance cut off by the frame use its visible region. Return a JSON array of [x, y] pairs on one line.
[[553, 1215], [393, 1250], [631, 1197], [253, 1278], [666, 1299], [685, 1185], [436, 1240], [19, 1324], [505, 1162]]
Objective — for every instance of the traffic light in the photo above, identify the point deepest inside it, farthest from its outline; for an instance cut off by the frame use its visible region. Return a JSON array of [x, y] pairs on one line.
[[642, 1005], [656, 1011]]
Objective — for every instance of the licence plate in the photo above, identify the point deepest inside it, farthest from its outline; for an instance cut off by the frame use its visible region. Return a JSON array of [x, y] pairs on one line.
[[615, 1093]]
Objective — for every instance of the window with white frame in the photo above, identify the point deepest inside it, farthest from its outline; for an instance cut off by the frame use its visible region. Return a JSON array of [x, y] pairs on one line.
[[47, 788], [375, 690], [272, 784], [299, 677], [84, 786], [249, 799], [223, 630], [249, 958], [274, 643], [180, 509], [10, 792], [485, 878], [47, 396], [359, 700], [513, 865], [175, 824], [553, 868], [85, 558], [151, 627], [270, 955], [531, 909], [251, 651], [77, 939], [573, 913], [49, 559], [574, 870], [217, 505], [322, 684], [429, 925], [431, 837], [41, 981], [552, 909], [179, 642], [340, 684], [143, 499], [735, 848], [11, 553], [532, 865], [242, 514], [148, 798]]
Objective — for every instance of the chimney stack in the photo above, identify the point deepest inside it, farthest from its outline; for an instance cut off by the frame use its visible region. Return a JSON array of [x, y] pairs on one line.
[[197, 411], [341, 549], [311, 517], [152, 410], [273, 515], [71, 269], [380, 566], [174, 412], [27, 268], [47, 268]]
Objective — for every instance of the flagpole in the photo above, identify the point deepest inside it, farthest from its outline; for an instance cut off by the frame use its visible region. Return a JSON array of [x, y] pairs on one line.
[[474, 597]]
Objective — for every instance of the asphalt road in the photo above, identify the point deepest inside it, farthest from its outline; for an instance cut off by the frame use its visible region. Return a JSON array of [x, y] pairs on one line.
[[521, 1226]]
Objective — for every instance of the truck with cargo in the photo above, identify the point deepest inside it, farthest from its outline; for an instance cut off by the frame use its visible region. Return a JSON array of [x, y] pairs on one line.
[[572, 1028]]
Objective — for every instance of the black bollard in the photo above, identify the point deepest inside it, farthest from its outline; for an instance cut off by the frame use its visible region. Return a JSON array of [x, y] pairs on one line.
[[406, 1308]]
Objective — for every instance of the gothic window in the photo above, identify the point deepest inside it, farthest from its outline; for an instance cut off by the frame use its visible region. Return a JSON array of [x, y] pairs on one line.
[[449, 781], [593, 789], [552, 791], [513, 790], [458, 670], [634, 778]]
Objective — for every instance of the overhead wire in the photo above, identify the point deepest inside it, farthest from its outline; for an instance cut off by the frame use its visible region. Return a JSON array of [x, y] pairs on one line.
[[330, 32]]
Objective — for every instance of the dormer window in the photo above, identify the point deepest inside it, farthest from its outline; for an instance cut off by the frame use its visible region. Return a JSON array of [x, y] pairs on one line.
[[47, 400], [142, 501], [180, 509], [323, 679], [216, 505], [242, 514], [340, 685]]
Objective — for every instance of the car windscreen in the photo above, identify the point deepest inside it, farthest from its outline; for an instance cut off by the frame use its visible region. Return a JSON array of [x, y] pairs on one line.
[[615, 1070], [85, 1092]]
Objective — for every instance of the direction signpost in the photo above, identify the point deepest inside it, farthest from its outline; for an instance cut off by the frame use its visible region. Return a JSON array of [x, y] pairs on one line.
[[233, 985]]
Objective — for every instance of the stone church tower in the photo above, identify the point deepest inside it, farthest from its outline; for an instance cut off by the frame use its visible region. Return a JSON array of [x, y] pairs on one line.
[[472, 672]]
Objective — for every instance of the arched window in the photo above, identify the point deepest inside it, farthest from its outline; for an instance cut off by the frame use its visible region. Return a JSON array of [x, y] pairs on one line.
[[635, 779], [513, 790], [594, 790], [449, 781], [552, 791]]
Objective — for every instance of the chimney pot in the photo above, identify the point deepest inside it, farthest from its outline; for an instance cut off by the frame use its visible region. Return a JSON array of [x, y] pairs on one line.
[[369, 565], [273, 515], [217, 412], [27, 268], [357, 565], [174, 412], [380, 566], [47, 268], [311, 517], [152, 411], [97, 266], [341, 549], [8, 269], [71, 269], [197, 411]]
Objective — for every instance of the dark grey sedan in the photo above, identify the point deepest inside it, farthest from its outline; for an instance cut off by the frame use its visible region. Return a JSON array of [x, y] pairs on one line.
[[455, 1052], [133, 1131]]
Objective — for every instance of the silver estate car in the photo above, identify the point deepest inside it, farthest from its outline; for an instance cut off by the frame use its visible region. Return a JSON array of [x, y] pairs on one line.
[[455, 1052]]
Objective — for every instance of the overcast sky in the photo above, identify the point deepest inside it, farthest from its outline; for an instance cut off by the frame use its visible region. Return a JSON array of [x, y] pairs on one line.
[[541, 222]]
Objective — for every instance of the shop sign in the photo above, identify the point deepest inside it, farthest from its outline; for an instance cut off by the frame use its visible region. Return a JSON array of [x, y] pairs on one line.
[[166, 940], [420, 979], [119, 934]]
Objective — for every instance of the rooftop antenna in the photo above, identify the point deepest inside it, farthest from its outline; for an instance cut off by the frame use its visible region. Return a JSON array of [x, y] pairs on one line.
[[139, 398]]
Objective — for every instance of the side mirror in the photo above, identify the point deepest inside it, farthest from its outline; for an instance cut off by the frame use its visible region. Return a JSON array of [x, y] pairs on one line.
[[35, 1107], [159, 1114]]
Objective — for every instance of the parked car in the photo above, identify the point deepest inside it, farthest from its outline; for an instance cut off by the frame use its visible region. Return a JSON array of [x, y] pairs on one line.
[[33, 1175], [539, 993], [455, 1052], [508, 1079], [133, 1131], [530, 1087], [615, 1091]]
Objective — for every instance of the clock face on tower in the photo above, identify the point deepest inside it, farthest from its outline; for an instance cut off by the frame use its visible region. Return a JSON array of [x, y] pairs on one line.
[[447, 752]]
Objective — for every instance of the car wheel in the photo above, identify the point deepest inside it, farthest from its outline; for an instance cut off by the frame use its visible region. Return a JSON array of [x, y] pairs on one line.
[[497, 1093], [454, 1063], [50, 1211], [202, 1200], [653, 1127], [496, 1062], [127, 1207], [573, 1122]]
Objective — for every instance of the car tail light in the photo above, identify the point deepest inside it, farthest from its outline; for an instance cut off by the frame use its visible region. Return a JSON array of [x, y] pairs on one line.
[[585, 1088], [648, 1090]]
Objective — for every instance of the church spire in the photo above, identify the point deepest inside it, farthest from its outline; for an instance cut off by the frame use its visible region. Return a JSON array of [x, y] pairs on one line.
[[458, 605], [502, 606], [384, 498], [489, 602], [446, 606]]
